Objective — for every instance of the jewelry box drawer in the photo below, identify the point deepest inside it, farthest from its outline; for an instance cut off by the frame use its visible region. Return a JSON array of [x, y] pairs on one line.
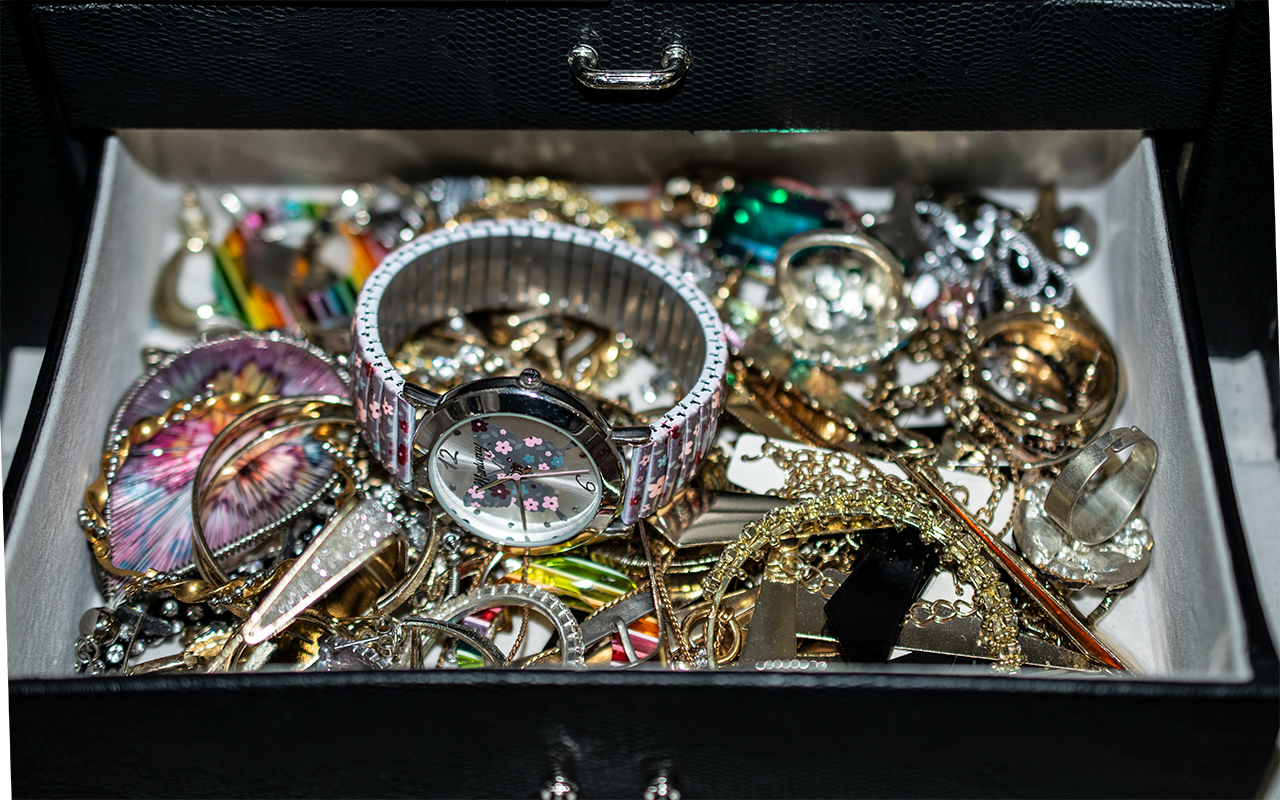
[[1126, 64], [1208, 692]]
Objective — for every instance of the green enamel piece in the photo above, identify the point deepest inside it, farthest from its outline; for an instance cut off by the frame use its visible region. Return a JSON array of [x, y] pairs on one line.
[[582, 584], [753, 221]]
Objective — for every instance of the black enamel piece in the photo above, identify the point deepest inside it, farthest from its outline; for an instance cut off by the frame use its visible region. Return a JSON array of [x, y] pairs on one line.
[[866, 612]]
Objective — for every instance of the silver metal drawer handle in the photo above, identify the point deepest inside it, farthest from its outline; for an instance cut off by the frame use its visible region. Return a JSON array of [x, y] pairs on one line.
[[675, 63]]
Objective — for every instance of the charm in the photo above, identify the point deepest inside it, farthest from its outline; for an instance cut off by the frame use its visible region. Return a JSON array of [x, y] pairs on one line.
[[941, 629], [772, 635], [340, 654], [582, 584], [110, 637], [166, 305], [755, 218], [733, 617], [1021, 274]]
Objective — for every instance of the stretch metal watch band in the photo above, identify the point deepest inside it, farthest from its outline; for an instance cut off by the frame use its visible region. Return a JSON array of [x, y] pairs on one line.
[[503, 264]]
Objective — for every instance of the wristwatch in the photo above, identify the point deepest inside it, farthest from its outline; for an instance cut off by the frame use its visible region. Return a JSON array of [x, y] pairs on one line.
[[515, 460]]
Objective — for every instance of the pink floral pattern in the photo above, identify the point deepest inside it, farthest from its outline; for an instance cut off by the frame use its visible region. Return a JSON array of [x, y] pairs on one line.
[[657, 486]]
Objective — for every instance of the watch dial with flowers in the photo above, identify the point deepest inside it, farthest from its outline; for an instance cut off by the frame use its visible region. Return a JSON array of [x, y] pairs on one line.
[[515, 480]]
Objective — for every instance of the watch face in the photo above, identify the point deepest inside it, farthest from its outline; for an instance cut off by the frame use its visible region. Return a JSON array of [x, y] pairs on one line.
[[515, 480]]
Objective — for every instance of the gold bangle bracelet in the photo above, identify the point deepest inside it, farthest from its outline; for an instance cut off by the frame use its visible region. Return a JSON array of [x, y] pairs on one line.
[[1065, 359], [395, 595], [313, 410]]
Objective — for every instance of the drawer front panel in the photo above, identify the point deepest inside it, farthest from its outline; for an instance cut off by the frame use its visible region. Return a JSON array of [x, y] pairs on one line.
[[876, 66], [504, 735]]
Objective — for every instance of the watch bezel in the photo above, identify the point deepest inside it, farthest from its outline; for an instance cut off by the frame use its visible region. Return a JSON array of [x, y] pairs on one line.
[[549, 405]]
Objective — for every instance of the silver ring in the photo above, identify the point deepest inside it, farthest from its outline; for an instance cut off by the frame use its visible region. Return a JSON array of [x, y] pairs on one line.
[[521, 594], [1093, 514]]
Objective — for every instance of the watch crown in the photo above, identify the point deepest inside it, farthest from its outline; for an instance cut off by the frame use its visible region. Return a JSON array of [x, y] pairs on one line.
[[531, 379]]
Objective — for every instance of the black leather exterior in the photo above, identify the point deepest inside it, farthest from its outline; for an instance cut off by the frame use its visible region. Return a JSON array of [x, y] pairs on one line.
[[74, 67], [878, 66], [41, 173], [1229, 199], [495, 734]]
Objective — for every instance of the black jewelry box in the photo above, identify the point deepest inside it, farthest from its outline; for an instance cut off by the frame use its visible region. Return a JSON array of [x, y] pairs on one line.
[[1202, 724]]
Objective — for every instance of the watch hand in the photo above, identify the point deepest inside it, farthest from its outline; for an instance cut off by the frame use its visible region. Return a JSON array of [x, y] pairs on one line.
[[517, 476], [503, 479], [554, 474], [524, 520]]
